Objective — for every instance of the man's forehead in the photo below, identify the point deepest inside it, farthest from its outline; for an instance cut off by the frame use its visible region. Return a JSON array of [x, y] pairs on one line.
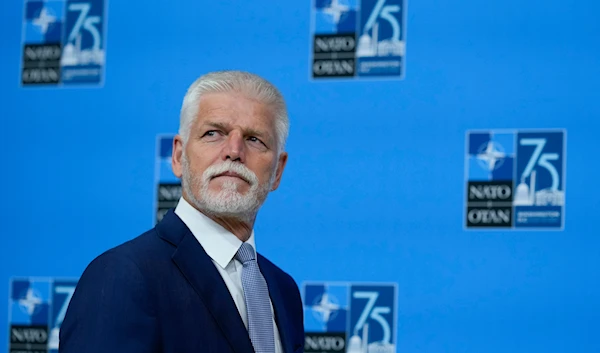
[[216, 110], [232, 108]]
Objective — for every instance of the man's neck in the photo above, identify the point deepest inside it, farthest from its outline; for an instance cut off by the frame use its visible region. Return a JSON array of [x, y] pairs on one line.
[[241, 229]]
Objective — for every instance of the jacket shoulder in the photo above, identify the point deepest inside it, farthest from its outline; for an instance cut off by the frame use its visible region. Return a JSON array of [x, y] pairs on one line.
[[141, 251]]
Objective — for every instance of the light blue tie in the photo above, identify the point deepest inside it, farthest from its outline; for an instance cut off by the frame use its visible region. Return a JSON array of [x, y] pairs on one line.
[[256, 294]]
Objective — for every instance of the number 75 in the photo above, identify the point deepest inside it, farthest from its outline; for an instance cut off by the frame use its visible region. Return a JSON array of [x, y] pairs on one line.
[[373, 312]]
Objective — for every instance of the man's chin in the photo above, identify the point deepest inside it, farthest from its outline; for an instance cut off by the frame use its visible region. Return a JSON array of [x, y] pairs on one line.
[[225, 194], [230, 208]]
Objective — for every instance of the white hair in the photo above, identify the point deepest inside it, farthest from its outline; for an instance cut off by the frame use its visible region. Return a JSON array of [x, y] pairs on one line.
[[250, 85]]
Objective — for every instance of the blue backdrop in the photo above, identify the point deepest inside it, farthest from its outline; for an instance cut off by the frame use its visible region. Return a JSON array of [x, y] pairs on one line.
[[374, 190]]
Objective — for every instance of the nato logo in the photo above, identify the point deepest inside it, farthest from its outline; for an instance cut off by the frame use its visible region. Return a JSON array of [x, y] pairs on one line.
[[358, 38], [351, 318], [37, 307], [515, 179], [167, 185], [63, 42]]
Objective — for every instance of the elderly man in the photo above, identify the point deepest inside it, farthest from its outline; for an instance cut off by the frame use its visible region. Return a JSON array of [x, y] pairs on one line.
[[195, 283]]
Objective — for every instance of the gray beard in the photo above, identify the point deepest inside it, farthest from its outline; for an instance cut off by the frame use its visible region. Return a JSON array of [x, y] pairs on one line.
[[228, 202]]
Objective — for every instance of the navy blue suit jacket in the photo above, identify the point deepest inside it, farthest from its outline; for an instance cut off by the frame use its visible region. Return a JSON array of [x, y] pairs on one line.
[[160, 292]]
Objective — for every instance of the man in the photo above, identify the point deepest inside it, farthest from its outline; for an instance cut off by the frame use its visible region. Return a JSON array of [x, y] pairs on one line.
[[194, 283]]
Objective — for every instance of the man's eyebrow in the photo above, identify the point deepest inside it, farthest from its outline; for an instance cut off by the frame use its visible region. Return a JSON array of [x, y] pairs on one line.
[[217, 125], [256, 133], [249, 131]]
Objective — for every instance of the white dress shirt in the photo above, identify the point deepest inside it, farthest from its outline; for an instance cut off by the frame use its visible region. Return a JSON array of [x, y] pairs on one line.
[[222, 245]]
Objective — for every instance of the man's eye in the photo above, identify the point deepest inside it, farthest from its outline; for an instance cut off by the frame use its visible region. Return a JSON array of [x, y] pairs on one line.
[[210, 133], [255, 140]]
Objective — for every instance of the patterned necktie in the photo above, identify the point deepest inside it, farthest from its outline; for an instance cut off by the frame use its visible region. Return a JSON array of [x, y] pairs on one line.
[[256, 295]]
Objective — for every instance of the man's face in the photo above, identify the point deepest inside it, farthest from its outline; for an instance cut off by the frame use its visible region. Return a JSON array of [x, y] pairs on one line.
[[230, 162]]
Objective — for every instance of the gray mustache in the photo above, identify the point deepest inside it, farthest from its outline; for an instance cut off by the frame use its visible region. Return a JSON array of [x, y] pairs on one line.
[[229, 166]]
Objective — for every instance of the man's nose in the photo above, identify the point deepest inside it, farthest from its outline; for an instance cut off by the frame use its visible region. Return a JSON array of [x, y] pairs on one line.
[[234, 147]]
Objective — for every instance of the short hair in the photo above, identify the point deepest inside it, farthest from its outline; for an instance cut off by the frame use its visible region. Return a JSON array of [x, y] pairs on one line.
[[248, 84]]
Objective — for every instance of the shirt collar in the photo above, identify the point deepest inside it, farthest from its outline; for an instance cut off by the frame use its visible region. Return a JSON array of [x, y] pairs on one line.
[[219, 243]]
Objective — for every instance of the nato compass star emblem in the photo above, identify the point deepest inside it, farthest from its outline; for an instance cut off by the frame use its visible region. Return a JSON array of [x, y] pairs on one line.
[[326, 308], [491, 156], [336, 10], [30, 303], [45, 20]]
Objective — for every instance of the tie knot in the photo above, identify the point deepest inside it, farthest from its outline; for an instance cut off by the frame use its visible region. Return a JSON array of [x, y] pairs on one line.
[[245, 253]]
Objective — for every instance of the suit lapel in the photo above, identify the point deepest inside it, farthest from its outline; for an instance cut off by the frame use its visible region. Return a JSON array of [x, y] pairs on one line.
[[199, 270], [278, 301]]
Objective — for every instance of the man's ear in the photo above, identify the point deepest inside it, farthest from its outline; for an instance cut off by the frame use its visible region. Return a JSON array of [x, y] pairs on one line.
[[283, 157], [177, 155]]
